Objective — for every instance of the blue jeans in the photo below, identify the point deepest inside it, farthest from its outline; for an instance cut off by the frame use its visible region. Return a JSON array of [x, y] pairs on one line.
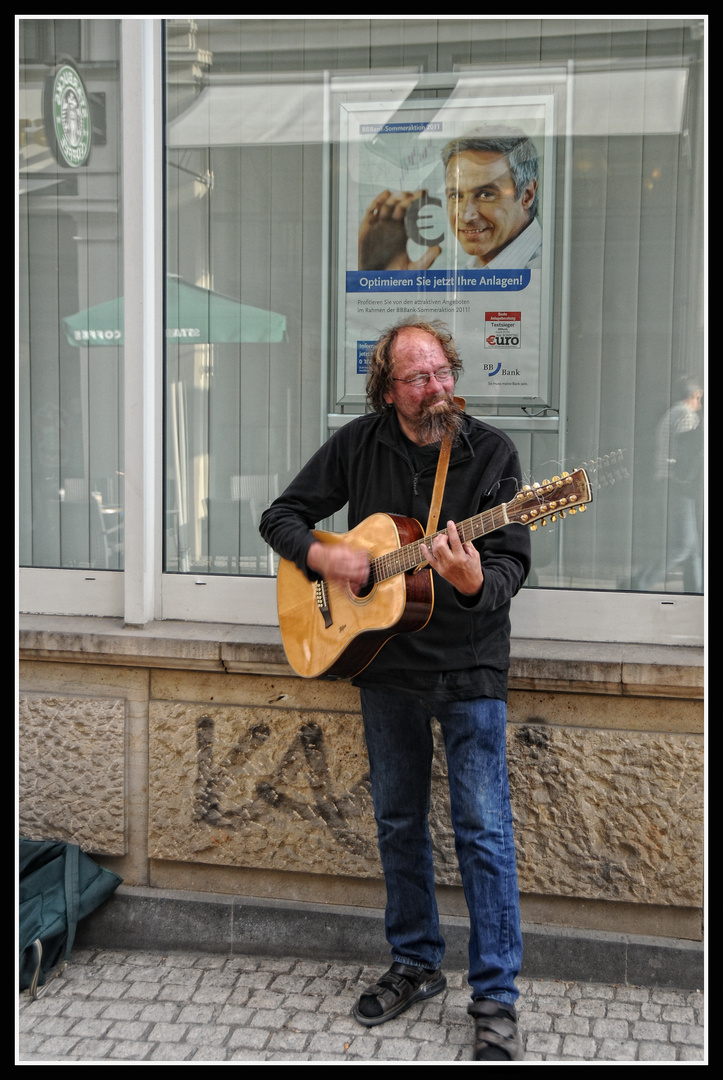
[[399, 740]]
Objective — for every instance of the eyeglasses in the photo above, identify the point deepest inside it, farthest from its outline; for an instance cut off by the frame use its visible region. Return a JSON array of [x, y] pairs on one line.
[[420, 380]]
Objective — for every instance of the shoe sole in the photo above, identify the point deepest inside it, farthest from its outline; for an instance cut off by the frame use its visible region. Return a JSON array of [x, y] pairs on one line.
[[419, 995]]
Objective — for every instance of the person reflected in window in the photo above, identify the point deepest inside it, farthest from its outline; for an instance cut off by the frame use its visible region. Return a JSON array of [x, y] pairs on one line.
[[679, 464]]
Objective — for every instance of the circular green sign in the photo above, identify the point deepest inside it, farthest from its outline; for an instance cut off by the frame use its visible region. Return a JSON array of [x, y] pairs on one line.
[[71, 116]]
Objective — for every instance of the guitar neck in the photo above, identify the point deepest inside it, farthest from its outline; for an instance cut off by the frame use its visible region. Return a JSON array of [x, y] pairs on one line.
[[406, 558], [533, 506]]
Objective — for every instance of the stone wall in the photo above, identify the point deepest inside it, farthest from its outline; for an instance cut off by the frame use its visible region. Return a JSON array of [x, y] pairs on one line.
[[190, 765]]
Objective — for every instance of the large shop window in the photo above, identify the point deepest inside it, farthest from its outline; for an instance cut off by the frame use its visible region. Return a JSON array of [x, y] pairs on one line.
[[279, 135], [71, 472]]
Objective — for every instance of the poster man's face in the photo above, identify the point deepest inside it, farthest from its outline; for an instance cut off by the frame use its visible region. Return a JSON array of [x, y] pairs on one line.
[[482, 206]]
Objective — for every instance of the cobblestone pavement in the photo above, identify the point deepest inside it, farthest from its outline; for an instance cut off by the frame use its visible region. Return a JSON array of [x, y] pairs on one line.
[[200, 1007]]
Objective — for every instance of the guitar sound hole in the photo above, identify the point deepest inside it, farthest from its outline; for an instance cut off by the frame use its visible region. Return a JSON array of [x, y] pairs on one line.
[[361, 594]]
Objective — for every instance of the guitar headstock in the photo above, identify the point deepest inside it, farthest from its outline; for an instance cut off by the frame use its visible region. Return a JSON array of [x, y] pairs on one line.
[[552, 499]]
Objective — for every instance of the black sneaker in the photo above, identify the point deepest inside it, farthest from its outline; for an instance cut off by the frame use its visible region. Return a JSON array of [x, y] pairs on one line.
[[496, 1035], [397, 989]]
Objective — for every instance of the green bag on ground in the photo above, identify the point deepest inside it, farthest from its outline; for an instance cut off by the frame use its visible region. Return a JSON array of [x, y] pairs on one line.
[[59, 886]]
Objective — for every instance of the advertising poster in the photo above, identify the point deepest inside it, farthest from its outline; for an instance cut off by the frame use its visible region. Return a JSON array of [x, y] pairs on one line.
[[445, 214]]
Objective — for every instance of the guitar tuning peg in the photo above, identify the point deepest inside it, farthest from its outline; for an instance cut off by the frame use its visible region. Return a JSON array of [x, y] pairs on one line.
[[573, 510], [555, 479], [533, 527], [544, 521], [582, 509]]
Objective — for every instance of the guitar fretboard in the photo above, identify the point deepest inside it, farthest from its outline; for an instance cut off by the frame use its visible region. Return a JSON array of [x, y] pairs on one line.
[[406, 558]]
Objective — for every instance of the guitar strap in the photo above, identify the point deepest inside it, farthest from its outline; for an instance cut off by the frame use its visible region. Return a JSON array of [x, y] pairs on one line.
[[440, 479]]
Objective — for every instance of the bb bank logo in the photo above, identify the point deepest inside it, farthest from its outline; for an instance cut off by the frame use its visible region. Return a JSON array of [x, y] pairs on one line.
[[497, 369]]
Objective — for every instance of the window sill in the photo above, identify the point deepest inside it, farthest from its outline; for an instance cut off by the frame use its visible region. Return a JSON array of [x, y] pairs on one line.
[[573, 667]]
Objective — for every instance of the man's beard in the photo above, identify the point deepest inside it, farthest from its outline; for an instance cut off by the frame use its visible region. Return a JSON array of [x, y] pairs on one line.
[[436, 420]]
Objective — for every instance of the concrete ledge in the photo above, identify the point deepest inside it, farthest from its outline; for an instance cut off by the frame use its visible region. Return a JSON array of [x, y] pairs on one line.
[[669, 671], [144, 918]]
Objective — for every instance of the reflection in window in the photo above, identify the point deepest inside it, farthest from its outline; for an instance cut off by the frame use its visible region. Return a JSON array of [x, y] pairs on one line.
[[252, 220], [70, 462]]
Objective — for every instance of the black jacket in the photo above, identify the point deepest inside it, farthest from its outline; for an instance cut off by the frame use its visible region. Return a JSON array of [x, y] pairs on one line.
[[367, 464]]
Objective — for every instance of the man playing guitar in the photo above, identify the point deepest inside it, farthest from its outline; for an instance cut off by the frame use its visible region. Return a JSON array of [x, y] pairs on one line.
[[453, 669]]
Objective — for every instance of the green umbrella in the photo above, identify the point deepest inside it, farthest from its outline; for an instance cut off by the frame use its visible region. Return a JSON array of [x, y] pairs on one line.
[[193, 316]]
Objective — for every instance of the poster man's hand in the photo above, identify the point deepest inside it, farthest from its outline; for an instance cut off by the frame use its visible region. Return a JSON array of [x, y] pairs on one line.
[[383, 237]]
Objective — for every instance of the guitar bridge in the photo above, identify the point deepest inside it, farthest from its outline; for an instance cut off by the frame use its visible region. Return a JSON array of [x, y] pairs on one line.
[[321, 590]]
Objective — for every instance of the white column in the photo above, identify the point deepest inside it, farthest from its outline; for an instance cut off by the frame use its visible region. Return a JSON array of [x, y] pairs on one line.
[[141, 128]]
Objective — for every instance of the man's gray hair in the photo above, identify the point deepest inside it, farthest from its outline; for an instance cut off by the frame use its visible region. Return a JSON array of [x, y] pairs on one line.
[[518, 148]]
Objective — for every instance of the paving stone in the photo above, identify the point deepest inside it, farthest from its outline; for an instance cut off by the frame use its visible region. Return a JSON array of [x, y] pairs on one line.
[[159, 1010], [211, 995], [656, 1051], [557, 1005], [253, 1038], [130, 1051], [613, 1050], [427, 1032], [196, 1014], [611, 1029], [288, 1040], [207, 1034], [576, 1046], [622, 1010], [122, 1010], [571, 1025], [174, 992], [235, 1015], [92, 1049], [398, 1050], [302, 1002], [591, 1007], [170, 1033], [435, 1053], [91, 1028], [643, 1029], [133, 1031], [543, 1042], [54, 1025], [536, 1022], [144, 991], [45, 1006], [690, 1053], [269, 1009], [171, 1052], [679, 1014], [686, 1034]]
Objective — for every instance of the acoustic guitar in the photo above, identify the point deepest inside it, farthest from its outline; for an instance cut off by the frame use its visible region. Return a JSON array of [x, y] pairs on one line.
[[330, 632]]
